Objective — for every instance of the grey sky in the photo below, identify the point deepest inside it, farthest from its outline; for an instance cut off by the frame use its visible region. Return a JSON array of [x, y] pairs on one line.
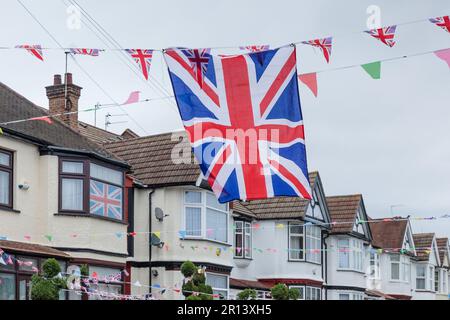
[[387, 139]]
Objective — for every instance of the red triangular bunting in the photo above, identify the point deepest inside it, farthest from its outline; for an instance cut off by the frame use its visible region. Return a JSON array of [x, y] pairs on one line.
[[310, 80]]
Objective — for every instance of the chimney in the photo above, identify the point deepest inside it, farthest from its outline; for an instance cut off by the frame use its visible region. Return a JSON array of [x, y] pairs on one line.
[[57, 103]]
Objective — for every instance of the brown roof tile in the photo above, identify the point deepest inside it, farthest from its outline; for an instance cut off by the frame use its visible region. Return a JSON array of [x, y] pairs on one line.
[[248, 284], [31, 248], [442, 244], [239, 208], [388, 234], [97, 135], [13, 106], [343, 211], [423, 243]]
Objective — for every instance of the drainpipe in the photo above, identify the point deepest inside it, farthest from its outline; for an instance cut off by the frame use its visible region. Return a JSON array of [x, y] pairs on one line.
[[325, 277], [150, 210]]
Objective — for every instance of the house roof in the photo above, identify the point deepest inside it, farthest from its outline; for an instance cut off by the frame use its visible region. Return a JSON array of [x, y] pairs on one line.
[[442, 244], [343, 210], [248, 284], [239, 208], [13, 106], [151, 159], [379, 294], [96, 134], [280, 207], [423, 243], [31, 248], [388, 233]]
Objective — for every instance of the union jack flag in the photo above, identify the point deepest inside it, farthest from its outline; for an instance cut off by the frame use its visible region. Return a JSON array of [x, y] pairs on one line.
[[105, 200], [245, 124], [199, 59], [324, 44], [443, 22], [35, 50], [255, 48], [143, 58], [84, 51], [385, 35]]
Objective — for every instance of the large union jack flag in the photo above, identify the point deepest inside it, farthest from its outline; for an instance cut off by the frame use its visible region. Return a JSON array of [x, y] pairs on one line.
[[245, 123], [105, 200], [443, 22], [385, 35]]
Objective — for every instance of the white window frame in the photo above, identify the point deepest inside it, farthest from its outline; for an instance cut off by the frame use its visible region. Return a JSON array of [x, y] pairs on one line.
[[374, 265], [203, 209], [309, 293], [355, 252], [424, 277], [246, 231], [431, 278], [302, 291], [227, 289], [352, 295], [313, 242], [302, 236]]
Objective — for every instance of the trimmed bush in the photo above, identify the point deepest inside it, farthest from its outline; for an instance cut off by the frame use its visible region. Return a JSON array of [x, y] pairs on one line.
[[294, 294], [247, 294], [280, 292], [47, 285], [188, 269]]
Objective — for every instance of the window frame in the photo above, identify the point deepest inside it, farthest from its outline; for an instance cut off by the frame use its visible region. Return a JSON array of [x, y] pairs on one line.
[[302, 236], [203, 216], [355, 250], [246, 249], [86, 178], [10, 170], [227, 289], [375, 272], [424, 277]]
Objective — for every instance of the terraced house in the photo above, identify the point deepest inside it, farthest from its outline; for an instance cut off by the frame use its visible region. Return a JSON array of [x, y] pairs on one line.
[[138, 207]]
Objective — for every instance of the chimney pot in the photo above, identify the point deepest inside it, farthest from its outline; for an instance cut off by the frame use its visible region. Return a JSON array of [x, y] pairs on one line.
[[69, 79], [57, 79]]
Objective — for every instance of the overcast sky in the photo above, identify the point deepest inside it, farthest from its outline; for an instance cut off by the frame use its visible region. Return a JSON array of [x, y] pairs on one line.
[[387, 139]]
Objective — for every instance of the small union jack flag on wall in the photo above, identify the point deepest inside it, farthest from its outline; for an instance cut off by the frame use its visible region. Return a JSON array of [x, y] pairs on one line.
[[443, 22], [324, 44], [105, 200], [35, 50], [385, 35], [143, 58], [85, 52], [255, 48]]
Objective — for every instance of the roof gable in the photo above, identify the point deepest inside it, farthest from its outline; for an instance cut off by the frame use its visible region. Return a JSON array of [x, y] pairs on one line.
[[426, 247], [388, 233], [444, 251]]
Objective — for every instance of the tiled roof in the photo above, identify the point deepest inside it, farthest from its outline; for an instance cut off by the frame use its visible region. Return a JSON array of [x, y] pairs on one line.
[[96, 134], [280, 207], [442, 244], [423, 243], [388, 234], [31, 248], [239, 208], [343, 211], [13, 106], [151, 159], [248, 284], [379, 294]]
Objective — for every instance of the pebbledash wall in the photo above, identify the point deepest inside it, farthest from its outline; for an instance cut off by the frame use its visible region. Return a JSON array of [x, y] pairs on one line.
[[35, 210]]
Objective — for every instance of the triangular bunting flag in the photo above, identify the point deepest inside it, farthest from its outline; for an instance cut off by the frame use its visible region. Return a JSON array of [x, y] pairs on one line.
[[2, 261], [85, 52], [45, 119], [48, 237], [443, 22], [35, 50], [385, 35], [199, 60], [1, 131], [158, 234], [373, 69], [143, 58], [324, 44], [310, 80], [133, 98], [444, 55], [255, 48]]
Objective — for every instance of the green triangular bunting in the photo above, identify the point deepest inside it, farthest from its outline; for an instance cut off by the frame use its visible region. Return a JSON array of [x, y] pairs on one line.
[[373, 69]]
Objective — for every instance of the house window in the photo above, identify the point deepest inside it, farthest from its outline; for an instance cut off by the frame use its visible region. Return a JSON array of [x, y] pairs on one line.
[[296, 242], [431, 278], [437, 281], [313, 293], [243, 239], [420, 277], [219, 284], [351, 296], [406, 269], [374, 265], [106, 288], [313, 244], [350, 252], [301, 291], [6, 178], [89, 187], [395, 267], [205, 217], [344, 296]]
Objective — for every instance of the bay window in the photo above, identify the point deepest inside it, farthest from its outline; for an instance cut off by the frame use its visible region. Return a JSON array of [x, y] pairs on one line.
[[313, 244], [219, 284], [431, 278], [420, 277], [400, 268], [437, 280], [350, 254], [205, 217], [296, 242], [374, 265], [395, 267], [6, 178], [90, 188], [305, 238], [313, 293], [242, 239]]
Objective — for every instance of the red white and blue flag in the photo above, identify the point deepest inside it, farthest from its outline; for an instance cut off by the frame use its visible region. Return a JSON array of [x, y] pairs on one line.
[[256, 48], [35, 50], [199, 59], [85, 52], [324, 45], [105, 200], [443, 22], [143, 58], [385, 35], [245, 123]]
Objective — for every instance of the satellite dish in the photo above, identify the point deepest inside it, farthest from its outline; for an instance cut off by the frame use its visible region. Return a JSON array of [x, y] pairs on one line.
[[159, 214]]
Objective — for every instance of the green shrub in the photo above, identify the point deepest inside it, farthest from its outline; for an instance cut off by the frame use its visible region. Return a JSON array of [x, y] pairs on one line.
[[51, 268], [247, 294], [47, 285], [188, 269], [198, 278], [193, 298], [84, 270], [280, 292], [294, 294], [188, 288]]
